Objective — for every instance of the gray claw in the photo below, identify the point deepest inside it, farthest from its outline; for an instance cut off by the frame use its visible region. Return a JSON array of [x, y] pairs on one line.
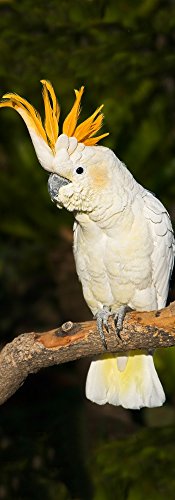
[[118, 319], [102, 320]]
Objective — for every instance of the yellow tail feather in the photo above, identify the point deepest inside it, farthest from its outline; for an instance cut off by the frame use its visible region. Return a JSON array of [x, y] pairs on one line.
[[130, 382]]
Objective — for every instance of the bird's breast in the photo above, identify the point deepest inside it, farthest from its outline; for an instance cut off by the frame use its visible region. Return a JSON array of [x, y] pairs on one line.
[[111, 267]]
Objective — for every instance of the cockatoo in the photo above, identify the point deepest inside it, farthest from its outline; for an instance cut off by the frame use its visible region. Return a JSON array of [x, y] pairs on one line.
[[123, 239]]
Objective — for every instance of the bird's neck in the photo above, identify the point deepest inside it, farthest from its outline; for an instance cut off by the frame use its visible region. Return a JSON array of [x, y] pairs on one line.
[[105, 218]]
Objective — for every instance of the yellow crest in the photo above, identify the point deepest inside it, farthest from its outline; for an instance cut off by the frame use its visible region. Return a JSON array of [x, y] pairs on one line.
[[50, 131]]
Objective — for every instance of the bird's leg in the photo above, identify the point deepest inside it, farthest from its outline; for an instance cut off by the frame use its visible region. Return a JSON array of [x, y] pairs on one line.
[[119, 317], [102, 320]]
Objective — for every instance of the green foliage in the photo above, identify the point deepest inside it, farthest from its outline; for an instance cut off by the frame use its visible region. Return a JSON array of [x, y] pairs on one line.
[[136, 468], [38, 446]]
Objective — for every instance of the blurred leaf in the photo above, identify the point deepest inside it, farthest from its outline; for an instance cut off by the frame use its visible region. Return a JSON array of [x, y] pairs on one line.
[[138, 467]]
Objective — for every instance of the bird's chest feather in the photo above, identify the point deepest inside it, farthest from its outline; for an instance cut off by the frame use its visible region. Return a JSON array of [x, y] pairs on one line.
[[111, 264]]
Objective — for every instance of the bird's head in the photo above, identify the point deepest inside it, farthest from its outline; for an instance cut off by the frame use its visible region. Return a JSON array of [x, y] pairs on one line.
[[80, 170], [82, 177]]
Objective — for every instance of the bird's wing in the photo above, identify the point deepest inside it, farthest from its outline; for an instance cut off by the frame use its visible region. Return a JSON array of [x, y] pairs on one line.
[[164, 244]]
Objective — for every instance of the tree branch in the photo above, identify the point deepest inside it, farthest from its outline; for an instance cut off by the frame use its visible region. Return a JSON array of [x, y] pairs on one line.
[[30, 352]]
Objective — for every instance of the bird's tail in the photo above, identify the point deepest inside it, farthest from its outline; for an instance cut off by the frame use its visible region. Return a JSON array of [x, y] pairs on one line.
[[130, 381]]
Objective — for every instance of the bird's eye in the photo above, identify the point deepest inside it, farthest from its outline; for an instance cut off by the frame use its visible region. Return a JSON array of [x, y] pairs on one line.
[[80, 170]]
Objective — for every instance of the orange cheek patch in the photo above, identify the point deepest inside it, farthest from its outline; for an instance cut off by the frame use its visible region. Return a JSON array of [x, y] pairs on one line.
[[98, 176]]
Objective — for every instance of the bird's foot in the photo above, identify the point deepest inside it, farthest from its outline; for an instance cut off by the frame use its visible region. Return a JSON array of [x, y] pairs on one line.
[[102, 321], [118, 319]]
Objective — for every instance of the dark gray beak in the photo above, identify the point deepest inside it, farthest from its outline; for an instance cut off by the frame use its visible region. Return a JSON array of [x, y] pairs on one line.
[[55, 182]]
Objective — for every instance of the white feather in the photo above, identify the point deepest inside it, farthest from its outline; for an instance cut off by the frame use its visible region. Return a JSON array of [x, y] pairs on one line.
[[43, 151], [163, 253], [72, 145], [122, 362], [62, 142]]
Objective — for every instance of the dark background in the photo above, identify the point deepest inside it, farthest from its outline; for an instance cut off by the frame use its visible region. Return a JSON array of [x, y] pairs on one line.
[[53, 443]]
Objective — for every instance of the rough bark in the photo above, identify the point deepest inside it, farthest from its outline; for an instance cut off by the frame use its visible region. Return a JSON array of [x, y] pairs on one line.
[[30, 352]]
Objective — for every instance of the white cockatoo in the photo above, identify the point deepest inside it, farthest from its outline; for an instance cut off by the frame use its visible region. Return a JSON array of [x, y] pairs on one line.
[[123, 239]]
